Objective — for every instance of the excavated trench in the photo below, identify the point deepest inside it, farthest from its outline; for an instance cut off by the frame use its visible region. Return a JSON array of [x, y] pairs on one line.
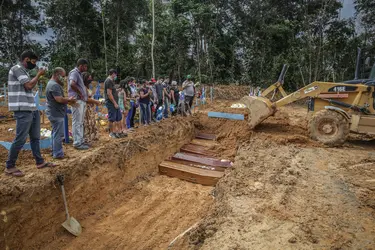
[[116, 193]]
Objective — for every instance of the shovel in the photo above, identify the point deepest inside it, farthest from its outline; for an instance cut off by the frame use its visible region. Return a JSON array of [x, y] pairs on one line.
[[71, 224]]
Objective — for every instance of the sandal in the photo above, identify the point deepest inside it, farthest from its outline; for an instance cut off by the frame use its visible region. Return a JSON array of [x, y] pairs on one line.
[[14, 171], [46, 165]]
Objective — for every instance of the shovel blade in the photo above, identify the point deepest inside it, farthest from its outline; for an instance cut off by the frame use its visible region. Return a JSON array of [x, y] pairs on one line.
[[73, 226], [259, 109]]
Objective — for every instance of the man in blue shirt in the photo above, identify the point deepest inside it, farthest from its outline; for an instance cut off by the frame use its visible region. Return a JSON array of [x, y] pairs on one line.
[[56, 108]]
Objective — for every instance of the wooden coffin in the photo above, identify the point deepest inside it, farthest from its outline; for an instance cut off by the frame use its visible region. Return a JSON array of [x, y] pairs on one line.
[[204, 143], [206, 136], [196, 149], [191, 174], [199, 165], [208, 161]]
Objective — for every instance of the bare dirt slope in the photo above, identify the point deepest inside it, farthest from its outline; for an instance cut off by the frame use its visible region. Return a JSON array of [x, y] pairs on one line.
[[148, 216], [288, 192]]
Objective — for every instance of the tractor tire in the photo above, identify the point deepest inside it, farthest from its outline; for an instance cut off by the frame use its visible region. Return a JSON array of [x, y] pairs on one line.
[[329, 127]]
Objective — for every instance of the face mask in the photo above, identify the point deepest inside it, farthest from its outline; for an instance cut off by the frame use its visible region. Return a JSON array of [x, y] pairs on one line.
[[30, 65], [115, 78], [89, 81]]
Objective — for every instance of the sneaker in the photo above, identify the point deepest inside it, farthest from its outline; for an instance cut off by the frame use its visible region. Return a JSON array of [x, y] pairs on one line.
[[82, 147], [113, 135], [122, 135]]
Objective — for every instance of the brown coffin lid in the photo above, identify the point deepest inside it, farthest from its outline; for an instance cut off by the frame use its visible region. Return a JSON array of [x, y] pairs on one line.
[[210, 161], [206, 136], [205, 143], [198, 165], [196, 149], [192, 170]]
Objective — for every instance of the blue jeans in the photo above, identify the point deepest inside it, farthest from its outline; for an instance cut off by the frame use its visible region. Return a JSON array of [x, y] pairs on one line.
[[27, 124], [146, 114], [78, 115], [57, 134], [131, 114]]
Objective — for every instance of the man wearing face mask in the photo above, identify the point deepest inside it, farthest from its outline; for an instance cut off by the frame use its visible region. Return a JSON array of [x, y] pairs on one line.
[[21, 102], [56, 108], [77, 89]]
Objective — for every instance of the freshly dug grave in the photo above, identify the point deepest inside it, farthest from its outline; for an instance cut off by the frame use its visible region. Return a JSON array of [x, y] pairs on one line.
[[288, 192], [31, 207], [115, 192]]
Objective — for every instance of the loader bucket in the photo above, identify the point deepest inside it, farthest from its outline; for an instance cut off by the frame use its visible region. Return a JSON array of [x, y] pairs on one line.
[[259, 109]]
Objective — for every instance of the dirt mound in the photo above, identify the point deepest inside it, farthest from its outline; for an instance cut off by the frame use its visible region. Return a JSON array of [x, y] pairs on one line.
[[287, 191], [4, 113], [229, 133], [230, 92], [293, 193]]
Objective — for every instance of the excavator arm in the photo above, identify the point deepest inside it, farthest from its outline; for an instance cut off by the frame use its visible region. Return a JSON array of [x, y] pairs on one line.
[[261, 107], [277, 86]]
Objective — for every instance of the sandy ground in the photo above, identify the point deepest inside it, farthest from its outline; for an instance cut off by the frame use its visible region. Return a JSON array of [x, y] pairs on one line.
[[288, 192], [285, 191]]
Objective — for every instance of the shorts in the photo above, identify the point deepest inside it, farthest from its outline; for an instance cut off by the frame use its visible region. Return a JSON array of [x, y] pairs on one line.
[[114, 115]]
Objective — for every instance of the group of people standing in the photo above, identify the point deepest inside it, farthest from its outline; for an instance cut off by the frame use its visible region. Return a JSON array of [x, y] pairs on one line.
[[149, 96]]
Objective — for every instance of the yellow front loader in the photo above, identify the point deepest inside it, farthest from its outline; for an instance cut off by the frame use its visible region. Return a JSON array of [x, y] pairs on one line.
[[338, 108]]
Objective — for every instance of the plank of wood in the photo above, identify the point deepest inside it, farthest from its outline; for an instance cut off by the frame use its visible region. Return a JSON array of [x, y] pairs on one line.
[[210, 161], [229, 116], [192, 174], [197, 149], [206, 136], [199, 165], [204, 143]]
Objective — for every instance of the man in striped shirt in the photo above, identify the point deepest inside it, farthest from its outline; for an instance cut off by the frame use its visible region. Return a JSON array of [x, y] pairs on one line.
[[21, 102]]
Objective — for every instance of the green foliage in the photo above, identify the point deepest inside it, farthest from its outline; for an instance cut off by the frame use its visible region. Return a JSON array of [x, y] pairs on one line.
[[221, 41]]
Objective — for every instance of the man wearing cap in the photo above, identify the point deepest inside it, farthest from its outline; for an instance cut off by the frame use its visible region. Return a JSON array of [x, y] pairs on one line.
[[189, 90]]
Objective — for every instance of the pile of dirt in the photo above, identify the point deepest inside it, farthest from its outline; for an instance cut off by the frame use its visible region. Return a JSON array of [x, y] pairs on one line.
[[291, 194], [230, 92], [4, 113], [229, 133]]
